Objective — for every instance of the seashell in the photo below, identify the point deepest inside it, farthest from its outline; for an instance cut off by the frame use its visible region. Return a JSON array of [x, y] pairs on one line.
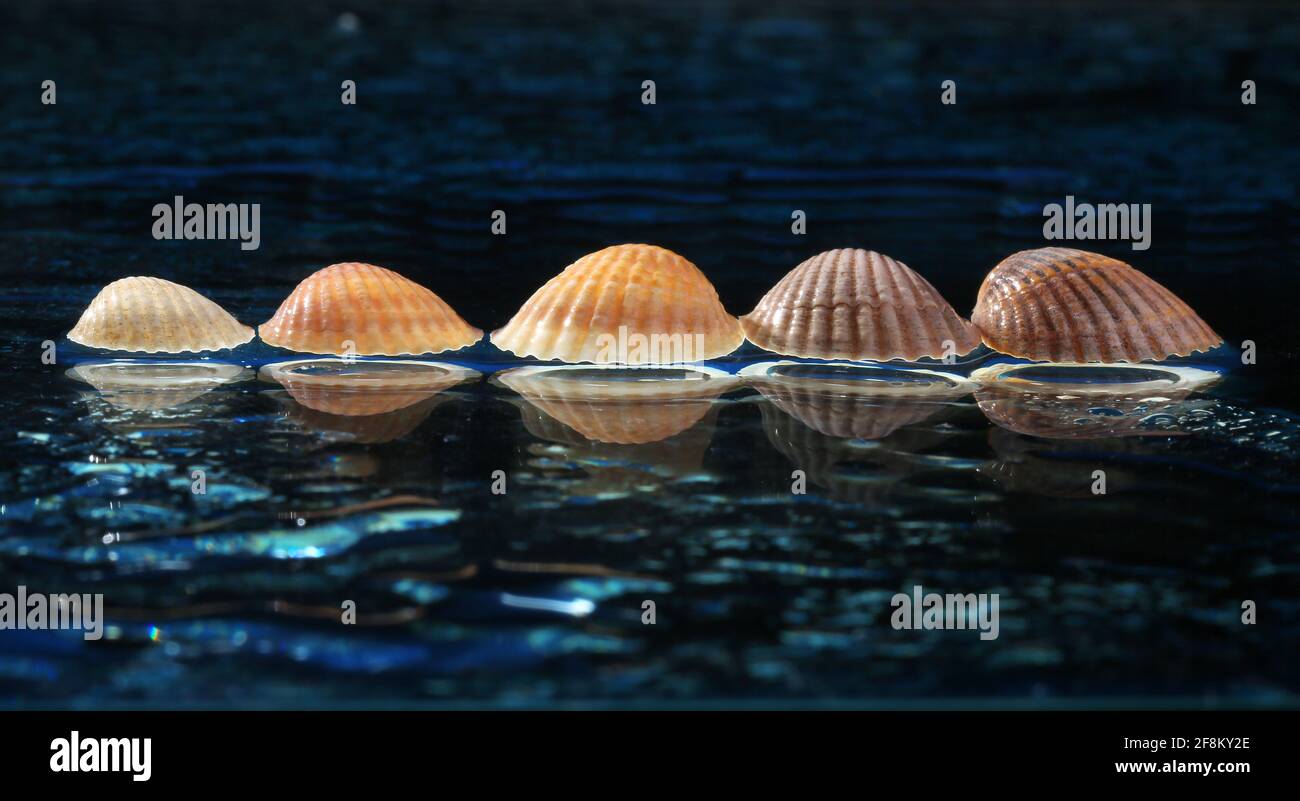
[[153, 315], [1064, 305], [626, 304], [858, 305], [625, 407], [377, 311]]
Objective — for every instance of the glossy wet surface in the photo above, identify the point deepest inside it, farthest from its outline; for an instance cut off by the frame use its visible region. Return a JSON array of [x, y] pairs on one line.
[[609, 496]]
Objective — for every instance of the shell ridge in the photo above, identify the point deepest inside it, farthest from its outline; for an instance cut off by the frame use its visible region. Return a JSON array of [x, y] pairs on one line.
[[1074, 330], [1153, 346]]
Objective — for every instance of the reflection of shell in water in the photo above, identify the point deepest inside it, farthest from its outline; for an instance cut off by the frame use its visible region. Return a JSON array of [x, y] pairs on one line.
[[819, 416], [372, 401], [153, 315], [616, 466], [1065, 305], [859, 305], [840, 401], [631, 406], [846, 416], [363, 428], [1086, 401], [1040, 468], [1058, 416], [154, 386], [632, 304], [378, 311], [846, 472]]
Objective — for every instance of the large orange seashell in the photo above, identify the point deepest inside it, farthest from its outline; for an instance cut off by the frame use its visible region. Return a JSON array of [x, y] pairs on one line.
[[1064, 305], [858, 305], [626, 304], [153, 315], [377, 311]]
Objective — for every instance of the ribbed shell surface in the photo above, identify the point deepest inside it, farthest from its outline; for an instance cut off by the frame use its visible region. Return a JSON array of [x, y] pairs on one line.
[[153, 315], [1065, 305], [643, 289], [380, 312], [858, 305]]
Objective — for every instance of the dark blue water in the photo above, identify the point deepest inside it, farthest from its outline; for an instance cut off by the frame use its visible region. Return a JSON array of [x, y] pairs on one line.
[[534, 596]]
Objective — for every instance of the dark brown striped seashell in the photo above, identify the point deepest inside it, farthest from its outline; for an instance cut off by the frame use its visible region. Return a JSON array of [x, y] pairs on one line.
[[857, 305], [1065, 305]]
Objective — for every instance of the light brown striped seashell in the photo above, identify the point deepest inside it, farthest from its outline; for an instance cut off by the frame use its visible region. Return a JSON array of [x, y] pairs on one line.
[[378, 311], [626, 304], [609, 409], [857, 305], [153, 315], [1065, 305]]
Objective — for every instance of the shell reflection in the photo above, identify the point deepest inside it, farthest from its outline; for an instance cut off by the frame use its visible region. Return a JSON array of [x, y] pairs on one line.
[[621, 406], [1056, 425], [371, 401], [855, 429], [1066, 401], [150, 386], [624, 426]]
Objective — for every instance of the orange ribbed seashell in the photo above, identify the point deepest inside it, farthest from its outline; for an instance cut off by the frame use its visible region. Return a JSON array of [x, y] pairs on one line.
[[626, 304], [152, 315], [858, 305], [376, 310], [1065, 305]]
